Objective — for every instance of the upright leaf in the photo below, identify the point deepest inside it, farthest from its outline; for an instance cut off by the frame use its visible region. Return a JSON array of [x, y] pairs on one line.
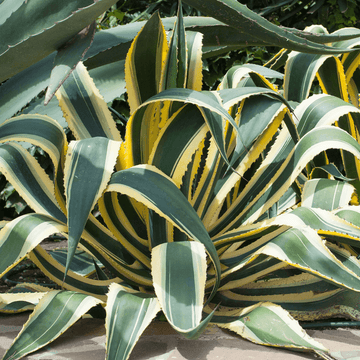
[[175, 69], [144, 62]]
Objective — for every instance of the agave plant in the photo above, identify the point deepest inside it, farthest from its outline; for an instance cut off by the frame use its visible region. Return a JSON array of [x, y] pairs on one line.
[[215, 186]]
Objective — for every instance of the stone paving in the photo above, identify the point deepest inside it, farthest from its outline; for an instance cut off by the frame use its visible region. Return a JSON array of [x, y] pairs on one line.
[[86, 341]]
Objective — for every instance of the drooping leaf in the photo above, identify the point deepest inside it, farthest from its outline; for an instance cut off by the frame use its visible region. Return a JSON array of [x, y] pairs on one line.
[[30, 180], [179, 274], [54, 314], [213, 107], [301, 248], [74, 282], [128, 313], [22, 297], [44, 132], [269, 324]]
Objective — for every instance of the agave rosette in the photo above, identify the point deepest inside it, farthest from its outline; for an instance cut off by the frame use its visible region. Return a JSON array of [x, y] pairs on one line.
[[211, 209]]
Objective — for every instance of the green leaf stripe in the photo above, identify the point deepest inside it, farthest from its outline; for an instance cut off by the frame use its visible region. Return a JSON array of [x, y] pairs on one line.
[[181, 135], [143, 78]]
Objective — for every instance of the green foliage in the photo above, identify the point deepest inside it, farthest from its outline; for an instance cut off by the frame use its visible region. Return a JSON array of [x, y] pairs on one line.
[[332, 14], [128, 11], [224, 187]]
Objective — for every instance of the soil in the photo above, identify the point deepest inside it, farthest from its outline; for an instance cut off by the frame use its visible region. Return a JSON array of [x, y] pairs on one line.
[[27, 272]]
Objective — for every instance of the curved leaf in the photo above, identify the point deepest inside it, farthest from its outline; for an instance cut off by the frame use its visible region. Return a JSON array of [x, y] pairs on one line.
[[160, 194], [21, 298], [38, 130], [113, 208], [33, 229], [29, 179], [326, 194], [300, 72], [349, 214], [177, 141], [74, 282], [42, 131], [309, 146], [241, 18], [301, 248], [269, 324]]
